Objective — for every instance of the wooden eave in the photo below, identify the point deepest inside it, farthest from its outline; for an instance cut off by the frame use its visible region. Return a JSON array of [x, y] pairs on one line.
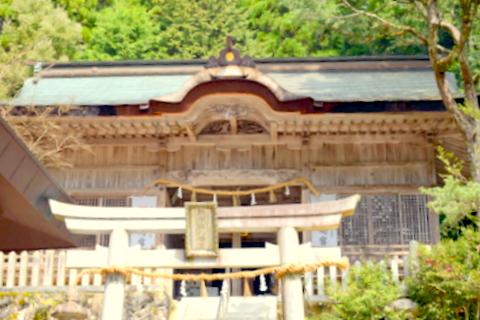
[[280, 123], [26, 222]]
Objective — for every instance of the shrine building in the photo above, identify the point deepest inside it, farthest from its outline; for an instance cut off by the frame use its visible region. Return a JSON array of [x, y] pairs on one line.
[[366, 125]]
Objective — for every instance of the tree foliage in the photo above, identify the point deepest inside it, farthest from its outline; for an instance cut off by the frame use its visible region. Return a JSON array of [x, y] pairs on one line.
[[457, 200], [198, 29], [448, 29], [36, 30], [124, 31], [446, 282], [277, 31], [370, 290]]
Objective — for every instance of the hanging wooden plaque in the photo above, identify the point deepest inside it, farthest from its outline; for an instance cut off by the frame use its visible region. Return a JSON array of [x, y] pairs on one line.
[[201, 238]]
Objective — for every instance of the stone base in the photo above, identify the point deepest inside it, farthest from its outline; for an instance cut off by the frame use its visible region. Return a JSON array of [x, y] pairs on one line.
[[138, 305]]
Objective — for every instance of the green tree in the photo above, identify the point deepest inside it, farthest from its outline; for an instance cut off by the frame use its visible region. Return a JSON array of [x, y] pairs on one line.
[[350, 34], [449, 29], [278, 32], [198, 28], [125, 30], [36, 30], [163, 29], [84, 12]]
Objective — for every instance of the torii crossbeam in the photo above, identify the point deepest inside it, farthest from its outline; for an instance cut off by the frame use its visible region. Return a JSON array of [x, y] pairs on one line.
[[285, 220]]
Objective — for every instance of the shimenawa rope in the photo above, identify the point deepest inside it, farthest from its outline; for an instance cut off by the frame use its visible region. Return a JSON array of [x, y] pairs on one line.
[[278, 271], [234, 193]]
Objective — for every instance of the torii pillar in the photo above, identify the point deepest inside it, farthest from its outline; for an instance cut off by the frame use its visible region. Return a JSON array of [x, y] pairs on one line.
[[292, 288]]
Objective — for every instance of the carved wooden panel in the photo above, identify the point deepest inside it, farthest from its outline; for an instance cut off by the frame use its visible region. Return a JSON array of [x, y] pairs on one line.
[[249, 127], [217, 127], [222, 127]]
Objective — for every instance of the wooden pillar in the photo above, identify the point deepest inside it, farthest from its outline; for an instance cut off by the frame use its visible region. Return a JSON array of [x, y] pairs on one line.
[[306, 235], [434, 225], [236, 283], [161, 203], [114, 294], [305, 152], [292, 291]]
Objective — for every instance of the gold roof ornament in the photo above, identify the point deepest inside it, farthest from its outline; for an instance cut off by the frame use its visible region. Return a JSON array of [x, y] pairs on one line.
[[230, 56]]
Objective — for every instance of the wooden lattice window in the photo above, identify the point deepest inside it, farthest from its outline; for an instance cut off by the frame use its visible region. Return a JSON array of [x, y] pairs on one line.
[[385, 217], [388, 220], [416, 220], [91, 240], [87, 201], [115, 202], [354, 229]]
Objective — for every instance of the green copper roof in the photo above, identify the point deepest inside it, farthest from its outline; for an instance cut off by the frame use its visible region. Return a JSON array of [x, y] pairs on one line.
[[409, 84]]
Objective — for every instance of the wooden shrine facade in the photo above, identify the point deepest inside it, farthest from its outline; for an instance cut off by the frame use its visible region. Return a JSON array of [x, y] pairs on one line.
[[347, 125]]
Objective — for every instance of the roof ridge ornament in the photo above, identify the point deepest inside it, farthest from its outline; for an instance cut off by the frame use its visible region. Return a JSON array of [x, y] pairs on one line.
[[230, 56]]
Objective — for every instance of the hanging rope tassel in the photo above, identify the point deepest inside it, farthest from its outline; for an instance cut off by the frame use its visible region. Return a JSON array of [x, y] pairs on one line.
[[179, 193], [194, 197], [215, 198], [246, 288], [203, 289], [263, 283], [287, 190], [253, 201], [236, 201], [273, 198], [183, 288]]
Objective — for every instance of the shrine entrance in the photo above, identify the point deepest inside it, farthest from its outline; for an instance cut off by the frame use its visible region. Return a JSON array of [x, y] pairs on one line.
[[281, 196], [201, 223]]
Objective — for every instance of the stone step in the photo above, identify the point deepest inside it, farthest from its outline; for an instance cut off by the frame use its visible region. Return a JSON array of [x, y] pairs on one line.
[[239, 308]]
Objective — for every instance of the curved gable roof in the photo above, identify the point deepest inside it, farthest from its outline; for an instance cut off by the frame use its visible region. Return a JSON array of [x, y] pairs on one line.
[[231, 79]]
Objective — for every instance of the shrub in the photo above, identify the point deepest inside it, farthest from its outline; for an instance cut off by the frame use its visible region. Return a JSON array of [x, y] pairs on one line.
[[370, 289], [447, 282]]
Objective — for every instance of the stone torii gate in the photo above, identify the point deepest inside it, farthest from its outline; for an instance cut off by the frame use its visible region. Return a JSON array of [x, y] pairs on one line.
[[285, 220]]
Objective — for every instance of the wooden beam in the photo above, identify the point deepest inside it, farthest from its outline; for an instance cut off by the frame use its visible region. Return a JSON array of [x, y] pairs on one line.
[[382, 164], [316, 141], [122, 141], [340, 189], [176, 258], [109, 168], [234, 177], [370, 189], [109, 192], [274, 138]]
